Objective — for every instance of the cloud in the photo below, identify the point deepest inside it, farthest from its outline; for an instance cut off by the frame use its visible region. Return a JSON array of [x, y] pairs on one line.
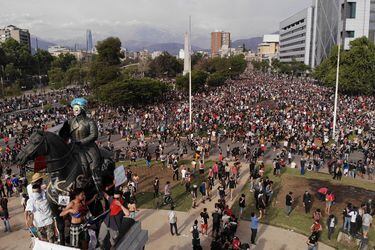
[[158, 20]]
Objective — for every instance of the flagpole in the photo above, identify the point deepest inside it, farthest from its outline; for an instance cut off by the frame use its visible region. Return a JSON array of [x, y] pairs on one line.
[[37, 48], [334, 135], [190, 97]]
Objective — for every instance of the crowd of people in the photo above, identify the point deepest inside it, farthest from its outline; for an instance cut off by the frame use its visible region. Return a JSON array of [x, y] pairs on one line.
[[250, 114]]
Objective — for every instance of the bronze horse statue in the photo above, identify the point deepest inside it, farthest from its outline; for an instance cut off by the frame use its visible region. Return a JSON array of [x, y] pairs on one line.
[[64, 169]]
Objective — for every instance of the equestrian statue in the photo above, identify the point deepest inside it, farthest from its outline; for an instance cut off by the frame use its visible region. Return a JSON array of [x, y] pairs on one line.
[[72, 159]]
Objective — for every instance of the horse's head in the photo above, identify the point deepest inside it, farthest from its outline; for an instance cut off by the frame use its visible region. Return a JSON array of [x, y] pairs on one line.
[[34, 148]]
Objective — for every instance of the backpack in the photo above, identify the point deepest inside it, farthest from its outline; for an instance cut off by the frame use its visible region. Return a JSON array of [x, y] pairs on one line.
[[195, 232]]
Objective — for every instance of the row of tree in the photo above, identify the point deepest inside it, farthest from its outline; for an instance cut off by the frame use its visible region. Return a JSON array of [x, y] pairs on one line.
[[357, 68], [19, 68], [212, 72], [275, 66], [116, 84]]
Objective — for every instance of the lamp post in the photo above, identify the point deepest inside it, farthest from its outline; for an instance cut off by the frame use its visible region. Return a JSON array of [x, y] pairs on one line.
[[190, 96], [334, 136]]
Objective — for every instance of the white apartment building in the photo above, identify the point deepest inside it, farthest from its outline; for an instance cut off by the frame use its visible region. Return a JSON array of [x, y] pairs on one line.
[[357, 19], [296, 37]]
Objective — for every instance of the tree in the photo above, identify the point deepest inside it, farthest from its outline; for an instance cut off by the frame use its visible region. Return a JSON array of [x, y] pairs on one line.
[[357, 68], [130, 71], [218, 64], [132, 92], [198, 80], [216, 79], [109, 51], [102, 73], [11, 72], [44, 60], [73, 75], [64, 61], [3, 58], [298, 68], [285, 68], [237, 65], [275, 65], [196, 58], [18, 55], [56, 77], [260, 65], [165, 65]]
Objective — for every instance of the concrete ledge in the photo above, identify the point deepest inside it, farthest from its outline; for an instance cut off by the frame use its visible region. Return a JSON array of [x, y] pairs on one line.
[[134, 239]]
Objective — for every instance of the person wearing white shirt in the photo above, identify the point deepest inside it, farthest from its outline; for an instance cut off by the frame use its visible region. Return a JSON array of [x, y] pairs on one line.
[[38, 214], [353, 220], [183, 173], [172, 218], [366, 223]]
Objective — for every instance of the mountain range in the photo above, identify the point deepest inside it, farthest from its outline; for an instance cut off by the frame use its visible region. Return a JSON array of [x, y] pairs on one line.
[[135, 45], [250, 43]]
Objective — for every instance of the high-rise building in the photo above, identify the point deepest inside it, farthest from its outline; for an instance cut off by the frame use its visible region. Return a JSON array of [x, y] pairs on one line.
[[332, 22], [89, 44], [219, 40], [296, 37], [20, 35], [326, 16], [357, 19]]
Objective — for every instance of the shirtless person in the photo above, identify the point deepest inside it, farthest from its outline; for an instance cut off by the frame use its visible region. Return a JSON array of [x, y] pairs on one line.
[[78, 209]]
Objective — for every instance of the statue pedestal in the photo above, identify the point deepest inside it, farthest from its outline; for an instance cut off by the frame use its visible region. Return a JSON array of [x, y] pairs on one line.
[[135, 238]]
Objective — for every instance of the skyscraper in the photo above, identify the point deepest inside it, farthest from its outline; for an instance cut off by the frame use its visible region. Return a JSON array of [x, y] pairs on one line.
[[89, 44], [218, 40], [326, 16]]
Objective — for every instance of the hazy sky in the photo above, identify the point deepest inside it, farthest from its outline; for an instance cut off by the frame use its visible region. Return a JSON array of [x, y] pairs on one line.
[[147, 19]]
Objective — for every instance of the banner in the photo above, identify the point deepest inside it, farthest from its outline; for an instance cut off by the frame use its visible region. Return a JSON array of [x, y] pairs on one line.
[[43, 245], [120, 176]]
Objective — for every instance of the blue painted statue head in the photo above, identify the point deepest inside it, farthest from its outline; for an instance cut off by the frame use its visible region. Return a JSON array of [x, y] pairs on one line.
[[78, 104]]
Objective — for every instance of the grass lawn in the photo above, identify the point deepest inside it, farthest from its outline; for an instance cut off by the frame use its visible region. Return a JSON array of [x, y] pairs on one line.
[[182, 200], [345, 181], [298, 220]]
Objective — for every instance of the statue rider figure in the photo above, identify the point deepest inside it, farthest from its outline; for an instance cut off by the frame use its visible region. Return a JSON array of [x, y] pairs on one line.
[[83, 132]]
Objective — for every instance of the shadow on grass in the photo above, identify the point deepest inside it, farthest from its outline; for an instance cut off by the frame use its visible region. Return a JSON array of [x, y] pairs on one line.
[[182, 199]]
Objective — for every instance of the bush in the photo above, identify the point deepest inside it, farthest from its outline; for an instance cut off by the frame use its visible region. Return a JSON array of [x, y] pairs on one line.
[[132, 92]]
